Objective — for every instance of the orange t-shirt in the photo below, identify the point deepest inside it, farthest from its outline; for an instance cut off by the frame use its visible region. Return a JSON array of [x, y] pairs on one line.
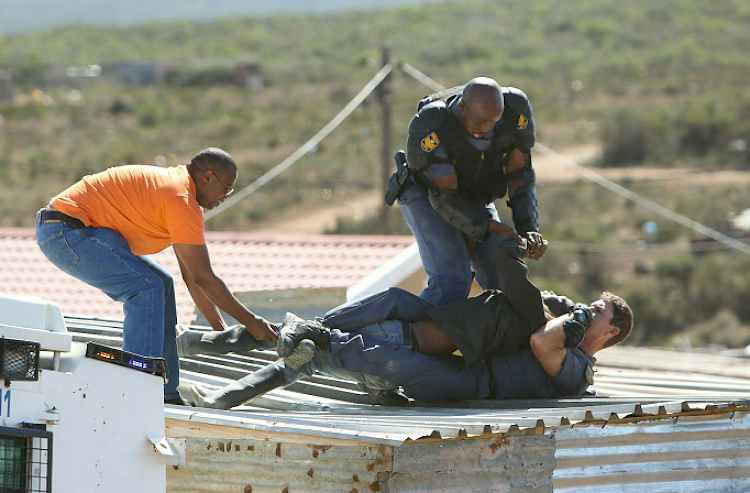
[[151, 207]]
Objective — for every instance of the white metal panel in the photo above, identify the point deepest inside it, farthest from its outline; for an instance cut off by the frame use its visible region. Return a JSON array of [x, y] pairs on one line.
[[677, 454], [49, 341], [392, 273], [31, 312], [106, 413]]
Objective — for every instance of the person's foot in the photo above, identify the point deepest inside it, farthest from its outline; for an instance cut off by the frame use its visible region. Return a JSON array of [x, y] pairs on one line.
[[303, 352], [390, 397], [294, 329], [201, 396], [187, 340]]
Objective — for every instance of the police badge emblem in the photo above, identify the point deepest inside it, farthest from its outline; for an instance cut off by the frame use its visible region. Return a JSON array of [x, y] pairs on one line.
[[430, 142], [589, 374], [523, 122]]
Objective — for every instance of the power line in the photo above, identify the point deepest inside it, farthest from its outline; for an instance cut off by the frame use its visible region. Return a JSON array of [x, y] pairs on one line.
[[642, 201], [306, 147]]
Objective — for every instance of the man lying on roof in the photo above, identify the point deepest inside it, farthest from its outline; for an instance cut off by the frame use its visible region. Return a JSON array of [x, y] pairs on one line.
[[516, 343]]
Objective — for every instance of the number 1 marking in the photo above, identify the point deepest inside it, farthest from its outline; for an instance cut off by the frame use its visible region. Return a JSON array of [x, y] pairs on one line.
[[5, 397]]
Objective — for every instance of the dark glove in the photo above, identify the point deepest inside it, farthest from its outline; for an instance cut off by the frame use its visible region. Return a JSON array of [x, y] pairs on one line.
[[575, 327], [557, 305]]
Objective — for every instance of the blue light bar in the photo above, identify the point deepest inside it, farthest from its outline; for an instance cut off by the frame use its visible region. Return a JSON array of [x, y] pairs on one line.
[[146, 364]]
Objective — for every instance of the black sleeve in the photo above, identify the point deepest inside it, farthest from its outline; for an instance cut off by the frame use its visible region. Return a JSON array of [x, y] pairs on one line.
[[422, 139], [518, 102]]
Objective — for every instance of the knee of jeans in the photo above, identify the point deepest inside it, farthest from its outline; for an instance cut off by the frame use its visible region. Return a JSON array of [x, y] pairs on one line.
[[147, 284]]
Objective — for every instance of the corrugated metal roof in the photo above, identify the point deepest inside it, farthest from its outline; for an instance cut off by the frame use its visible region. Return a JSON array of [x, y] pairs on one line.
[[687, 453], [657, 425], [329, 407]]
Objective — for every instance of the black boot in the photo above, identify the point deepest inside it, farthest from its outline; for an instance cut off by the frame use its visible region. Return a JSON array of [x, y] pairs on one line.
[[257, 383], [294, 329], [235, 339]]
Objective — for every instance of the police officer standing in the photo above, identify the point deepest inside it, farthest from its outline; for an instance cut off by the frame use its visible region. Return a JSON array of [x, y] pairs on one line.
[[467, 147]]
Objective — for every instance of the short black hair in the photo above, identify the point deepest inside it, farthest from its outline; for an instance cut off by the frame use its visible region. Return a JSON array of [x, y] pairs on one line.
[[215, 159]]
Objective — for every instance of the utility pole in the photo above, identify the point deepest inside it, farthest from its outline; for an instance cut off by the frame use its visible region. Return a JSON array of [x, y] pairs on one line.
[[386, 153]]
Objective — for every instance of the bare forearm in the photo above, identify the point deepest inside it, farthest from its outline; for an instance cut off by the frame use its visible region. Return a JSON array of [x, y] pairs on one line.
[[207, 308], [548, 345], [196, 268], [217, 293]]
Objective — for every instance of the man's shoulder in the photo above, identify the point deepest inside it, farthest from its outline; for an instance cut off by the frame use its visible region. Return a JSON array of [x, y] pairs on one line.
[[516, 100], [431, 116]]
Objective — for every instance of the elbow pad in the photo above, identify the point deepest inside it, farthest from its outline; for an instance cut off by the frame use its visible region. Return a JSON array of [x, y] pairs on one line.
[[525, 204], [447, 203]]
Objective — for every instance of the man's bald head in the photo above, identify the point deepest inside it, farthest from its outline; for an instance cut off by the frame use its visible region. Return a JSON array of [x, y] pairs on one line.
[[481, 106], [484, 91]]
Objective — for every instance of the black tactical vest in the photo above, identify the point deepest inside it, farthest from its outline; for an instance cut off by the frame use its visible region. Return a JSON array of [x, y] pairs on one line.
[[481, 174]]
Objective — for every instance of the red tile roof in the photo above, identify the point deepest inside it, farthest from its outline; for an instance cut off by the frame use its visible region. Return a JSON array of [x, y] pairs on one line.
[[245, 261]]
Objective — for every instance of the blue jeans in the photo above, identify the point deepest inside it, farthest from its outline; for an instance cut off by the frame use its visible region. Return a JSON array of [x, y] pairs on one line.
[[352, 316], [444, 253], [102, 258], [388, 304], [322, 364], [378, 350]]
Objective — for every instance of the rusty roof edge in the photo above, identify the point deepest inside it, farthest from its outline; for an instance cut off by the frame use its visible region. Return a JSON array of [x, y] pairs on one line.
[[528, 427], [243, 420]]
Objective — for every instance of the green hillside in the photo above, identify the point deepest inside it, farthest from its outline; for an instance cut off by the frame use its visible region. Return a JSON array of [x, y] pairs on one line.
[[660, 83]]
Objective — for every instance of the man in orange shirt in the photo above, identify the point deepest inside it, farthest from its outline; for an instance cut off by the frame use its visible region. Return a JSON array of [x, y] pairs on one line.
[[101, 230]]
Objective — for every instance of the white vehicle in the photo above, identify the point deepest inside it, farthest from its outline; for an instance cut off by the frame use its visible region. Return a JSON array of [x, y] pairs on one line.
[[76, 417]]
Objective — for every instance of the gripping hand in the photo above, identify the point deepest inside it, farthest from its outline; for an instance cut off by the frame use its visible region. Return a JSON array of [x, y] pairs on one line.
[[575, 327]]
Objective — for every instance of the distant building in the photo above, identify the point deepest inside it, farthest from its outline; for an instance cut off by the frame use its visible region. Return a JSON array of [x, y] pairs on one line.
[[135, 73], [250, 75]]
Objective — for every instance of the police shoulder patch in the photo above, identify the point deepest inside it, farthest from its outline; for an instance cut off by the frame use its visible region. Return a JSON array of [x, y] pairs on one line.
[[589, 374], [523, 122], [430, 142]]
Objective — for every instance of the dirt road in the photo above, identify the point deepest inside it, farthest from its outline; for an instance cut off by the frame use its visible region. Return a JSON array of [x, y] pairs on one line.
[[304, 220]]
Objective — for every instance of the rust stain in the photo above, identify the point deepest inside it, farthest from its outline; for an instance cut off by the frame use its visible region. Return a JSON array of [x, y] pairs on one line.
[[355, 478], [236, 448], [229, 446], [500, 442], [354, 490], [251, 448], [248, 489], [370, 467], [285, 490], [310, 473], [319, 448], [176, 468], [375, 486], [278, 450], [221, 446], [209, 447]]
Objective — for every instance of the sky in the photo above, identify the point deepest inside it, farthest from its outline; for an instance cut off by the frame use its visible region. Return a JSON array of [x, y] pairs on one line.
[[18, 16]]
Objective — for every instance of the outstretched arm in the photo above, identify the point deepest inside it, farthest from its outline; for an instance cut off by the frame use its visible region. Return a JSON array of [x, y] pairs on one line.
[[208, 309], [195, 261]]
